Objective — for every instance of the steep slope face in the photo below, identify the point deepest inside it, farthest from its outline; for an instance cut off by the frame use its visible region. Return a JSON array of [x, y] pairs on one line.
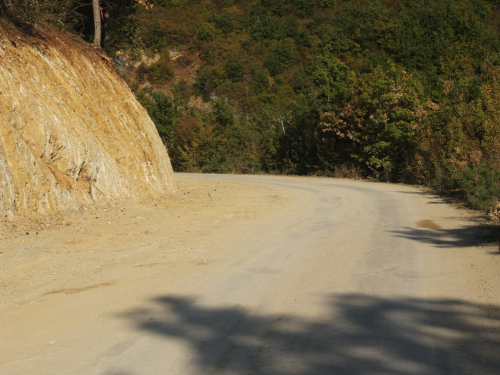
[[71, 131]]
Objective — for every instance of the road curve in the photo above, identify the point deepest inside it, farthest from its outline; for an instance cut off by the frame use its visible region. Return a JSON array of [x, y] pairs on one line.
[[348, 279]]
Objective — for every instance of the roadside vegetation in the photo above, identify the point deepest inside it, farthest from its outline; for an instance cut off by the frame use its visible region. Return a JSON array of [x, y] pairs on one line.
[[393, 90]]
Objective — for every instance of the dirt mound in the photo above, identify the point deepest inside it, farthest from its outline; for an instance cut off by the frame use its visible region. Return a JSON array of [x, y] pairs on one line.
[[71, 131]]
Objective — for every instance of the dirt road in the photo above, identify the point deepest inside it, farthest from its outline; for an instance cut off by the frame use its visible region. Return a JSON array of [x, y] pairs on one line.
[[253, 275]]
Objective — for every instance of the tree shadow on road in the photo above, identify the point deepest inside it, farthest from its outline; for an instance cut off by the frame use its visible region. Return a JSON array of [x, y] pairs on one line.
[[436, 197], [472, 235], [477, 231], [359, 335]]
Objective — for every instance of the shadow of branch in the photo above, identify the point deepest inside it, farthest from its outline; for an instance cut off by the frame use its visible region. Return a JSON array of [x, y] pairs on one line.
[[359, 335], [473, 235]]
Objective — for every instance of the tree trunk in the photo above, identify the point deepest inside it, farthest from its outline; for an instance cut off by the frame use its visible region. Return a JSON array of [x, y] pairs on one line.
[[106, 25], [97, 23]]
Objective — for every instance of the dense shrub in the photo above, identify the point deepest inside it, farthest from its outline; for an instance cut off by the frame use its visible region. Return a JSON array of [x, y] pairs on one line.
[[481, 185]]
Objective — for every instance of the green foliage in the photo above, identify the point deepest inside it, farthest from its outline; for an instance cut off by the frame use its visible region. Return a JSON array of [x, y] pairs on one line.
[[166, 3], [304, 8], [489, 110], [128, 37], [284, 53], [277, 7], [301, 82], [234, 69], [480, 184], [206, 33], [225, 22], [207, 80], [162, 111], [223, 114], [261, 82], [266, 28], [273, 65], [155, 37], [161, 71], [331, 77], [291, 28]]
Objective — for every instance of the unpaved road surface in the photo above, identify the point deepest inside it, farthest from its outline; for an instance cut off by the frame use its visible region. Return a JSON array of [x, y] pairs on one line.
[[253, 275]]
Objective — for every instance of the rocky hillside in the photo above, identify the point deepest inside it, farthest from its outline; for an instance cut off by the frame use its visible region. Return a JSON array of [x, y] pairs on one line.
[[71, 131]]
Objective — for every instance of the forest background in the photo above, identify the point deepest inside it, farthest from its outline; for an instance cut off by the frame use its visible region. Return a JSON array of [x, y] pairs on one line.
[[393, 90]]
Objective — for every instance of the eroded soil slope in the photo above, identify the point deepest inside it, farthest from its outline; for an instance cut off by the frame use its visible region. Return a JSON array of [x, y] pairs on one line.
[[71, 131]]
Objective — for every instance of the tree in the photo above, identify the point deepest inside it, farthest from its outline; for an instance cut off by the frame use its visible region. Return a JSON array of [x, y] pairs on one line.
[[97, 22], [106, 26], [234, 69]]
